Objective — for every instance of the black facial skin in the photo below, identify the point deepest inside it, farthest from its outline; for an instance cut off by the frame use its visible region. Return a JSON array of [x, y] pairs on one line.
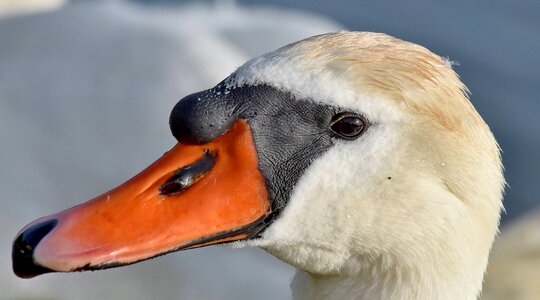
[[288, 133]]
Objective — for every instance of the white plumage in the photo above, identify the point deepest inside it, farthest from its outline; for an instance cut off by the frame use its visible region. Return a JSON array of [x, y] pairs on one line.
[[410, 209]]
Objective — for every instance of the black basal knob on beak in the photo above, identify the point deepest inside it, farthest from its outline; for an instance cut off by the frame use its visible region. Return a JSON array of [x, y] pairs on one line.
[[24, 246], [202, 117]]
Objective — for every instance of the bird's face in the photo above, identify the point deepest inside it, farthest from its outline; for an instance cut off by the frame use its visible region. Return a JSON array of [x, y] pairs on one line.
[[327, 152]]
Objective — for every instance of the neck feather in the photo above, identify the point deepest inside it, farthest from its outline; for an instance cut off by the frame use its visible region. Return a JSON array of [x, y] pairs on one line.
[[390, 284]]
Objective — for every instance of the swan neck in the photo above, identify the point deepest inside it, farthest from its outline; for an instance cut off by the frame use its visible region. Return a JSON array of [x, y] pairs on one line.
[[395, 286]]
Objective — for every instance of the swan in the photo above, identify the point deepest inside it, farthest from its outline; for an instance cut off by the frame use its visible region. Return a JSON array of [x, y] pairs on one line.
[[354, 156]]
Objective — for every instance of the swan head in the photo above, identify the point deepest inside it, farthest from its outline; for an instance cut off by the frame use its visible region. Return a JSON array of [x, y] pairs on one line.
[[369, 151], [421, 188]]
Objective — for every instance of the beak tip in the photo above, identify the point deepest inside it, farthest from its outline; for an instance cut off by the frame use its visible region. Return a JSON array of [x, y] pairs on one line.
[[22, 254]]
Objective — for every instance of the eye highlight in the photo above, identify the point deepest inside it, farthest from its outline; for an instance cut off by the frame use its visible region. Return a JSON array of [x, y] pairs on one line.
[[348, 125]]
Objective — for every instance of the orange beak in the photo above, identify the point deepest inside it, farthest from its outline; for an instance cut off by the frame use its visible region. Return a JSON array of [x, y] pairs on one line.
[[195, 195]]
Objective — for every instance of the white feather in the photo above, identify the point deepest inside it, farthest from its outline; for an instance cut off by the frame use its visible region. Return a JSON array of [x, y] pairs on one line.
[[410, 209]]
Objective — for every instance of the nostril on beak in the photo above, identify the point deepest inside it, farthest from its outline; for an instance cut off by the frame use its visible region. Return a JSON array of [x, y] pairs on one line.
[[23, 249], [188, 175]]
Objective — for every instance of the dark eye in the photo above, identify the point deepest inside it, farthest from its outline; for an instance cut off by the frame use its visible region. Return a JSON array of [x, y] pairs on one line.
[[348, 125]]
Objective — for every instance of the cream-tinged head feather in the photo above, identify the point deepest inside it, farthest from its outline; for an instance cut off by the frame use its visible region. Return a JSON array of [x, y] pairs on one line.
[[410, 209]]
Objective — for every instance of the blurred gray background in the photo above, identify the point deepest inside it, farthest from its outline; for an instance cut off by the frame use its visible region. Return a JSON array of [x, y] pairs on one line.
[[86, 88]]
